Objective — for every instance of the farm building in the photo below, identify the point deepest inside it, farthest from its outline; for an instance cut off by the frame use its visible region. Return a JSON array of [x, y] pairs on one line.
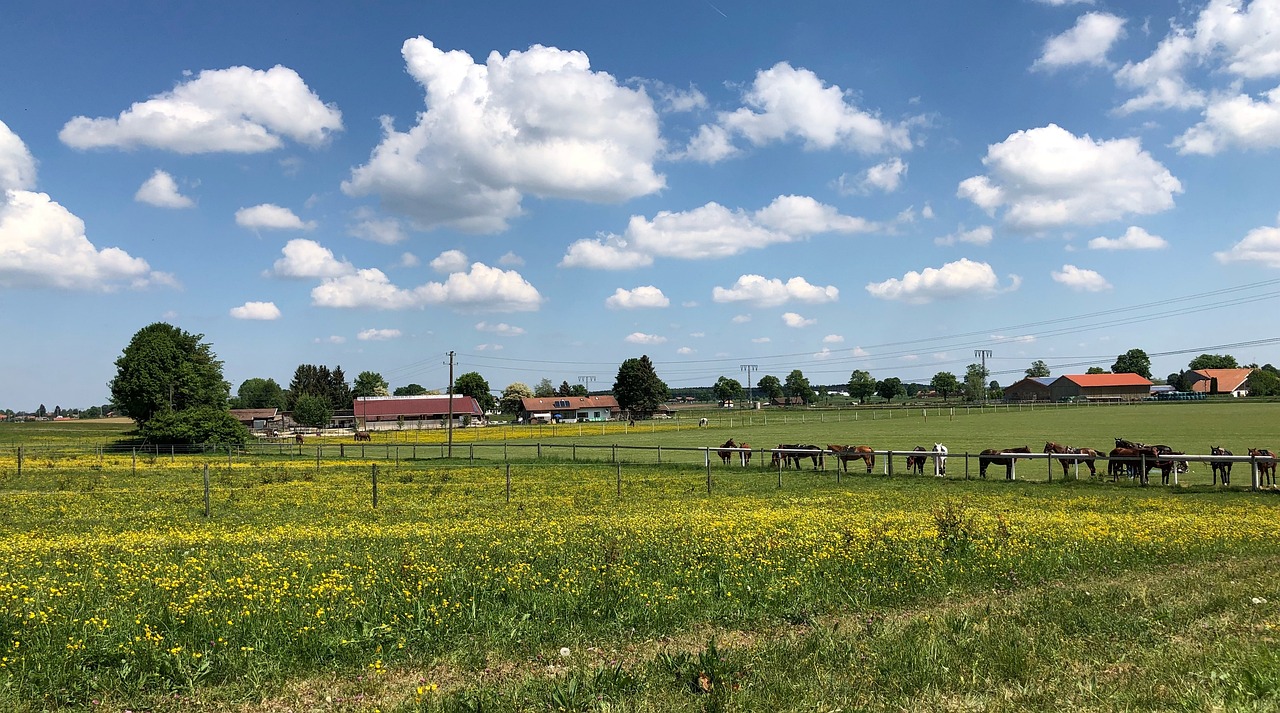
[[1218, 381], [568, 408], [1032, 388], [1100, 387], [384, 413], [258, 419]]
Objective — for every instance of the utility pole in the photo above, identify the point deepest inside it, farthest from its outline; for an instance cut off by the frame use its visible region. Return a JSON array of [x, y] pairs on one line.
[[983, 354], [751, 399], [586, 380], [450, 424]]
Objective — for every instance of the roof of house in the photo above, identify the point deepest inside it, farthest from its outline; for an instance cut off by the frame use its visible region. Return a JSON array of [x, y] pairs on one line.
[[1228, 379], [254, 414], [1096, 380], [1036, 380], [383, 407], [567, 403]]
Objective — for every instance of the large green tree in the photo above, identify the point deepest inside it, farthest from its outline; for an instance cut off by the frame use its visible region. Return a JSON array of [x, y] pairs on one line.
[[1038, 368], [544, 388], [975, 382], [473, 385], [261, 393], [320, 381], [861, 385], [1134, 361], [369, 383], [198, 425], [889, 388], [727, 389], [1263, 382], [798, 385], [312, 410], [945, 383], [512, 395], [770, 386], [1095, 370], [637, 386], [1213, 361], [410, 390], [166, 369]]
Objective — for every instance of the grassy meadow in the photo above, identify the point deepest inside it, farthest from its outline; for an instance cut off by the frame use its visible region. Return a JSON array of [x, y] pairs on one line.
[[594, 585]]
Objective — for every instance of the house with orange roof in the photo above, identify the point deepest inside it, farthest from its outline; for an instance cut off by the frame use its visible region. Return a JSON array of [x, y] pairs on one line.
[[1100, 387], [1218, 381]]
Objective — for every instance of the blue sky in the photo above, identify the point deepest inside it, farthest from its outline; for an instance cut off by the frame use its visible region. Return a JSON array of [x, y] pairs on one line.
[[824, 186]]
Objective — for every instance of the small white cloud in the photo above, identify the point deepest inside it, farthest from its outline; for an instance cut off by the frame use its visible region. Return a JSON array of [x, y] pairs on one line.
[[833, 339], [1019, 339], [256, 310], [1080, 279], [711, 144], [305, 258], [773, 292], [881, 178], [378, 335], [642, 338], [162, 191], [450, 261], [501, 329], [684, 351], [331, 339], [510, 259], [1134, 238], [824, 353], [387, 231], [1260, 245], [795, 321], [954, 279], [981, 235], [647, 296], [697, 335], [489, 347], [761, 340], [741, 318], [1238, 121], [1087, 42], [409, 260], [271, 217], [484, 288]]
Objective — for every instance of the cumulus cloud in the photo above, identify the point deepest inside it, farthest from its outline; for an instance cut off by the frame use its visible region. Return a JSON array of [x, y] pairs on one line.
[[1087, 42], [796, 321], [760, 340], [266, 311], [1080, 279], [954, 279], [711, 144], [238, 109], [331, 339], [308, 259], [450, 261], [539, 122], [42, 244], [162, 191], [883, 177], [741, 318], [710, 231], [1237, 121], [685, 351], [510, 259], [377, 335], [387, 231], [271, 217], [765, 292], [1048, 178], [824, 353], [1134, 238], [639, 298], [981, 235], [489, 347], [409, 260], [785, 103], [833, 339], [501, 329], [1260, 245], [483, 288], [642, 338]]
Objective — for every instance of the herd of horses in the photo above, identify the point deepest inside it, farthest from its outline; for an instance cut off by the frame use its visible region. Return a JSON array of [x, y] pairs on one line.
[[1129, 458]]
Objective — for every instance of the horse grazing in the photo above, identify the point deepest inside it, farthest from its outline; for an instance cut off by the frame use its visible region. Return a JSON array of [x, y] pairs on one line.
[[939, 460], [1087, 456], [363, 436], [915, 464], [844, 454], [1168, 465], [1136, 462], [995, 456], [702, 423], [745, 453], [1220, 466], [297, 438], [724, 452], [1267, 467], [785, 456]]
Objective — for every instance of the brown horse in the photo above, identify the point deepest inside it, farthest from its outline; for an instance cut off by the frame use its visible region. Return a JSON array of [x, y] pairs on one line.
[[1136, 462], [1267, 467], [724, 452], [1222, 467], [844, 454], [915, 464], [297, 438], [995, 456], [1168, 465], [746, 454], [1087, 456], [363, 436]]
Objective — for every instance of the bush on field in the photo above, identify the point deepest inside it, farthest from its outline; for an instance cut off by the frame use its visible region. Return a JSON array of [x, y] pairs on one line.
[[201, 425]]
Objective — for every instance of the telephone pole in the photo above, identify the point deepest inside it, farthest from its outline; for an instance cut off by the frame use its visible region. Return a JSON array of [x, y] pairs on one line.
[[450, 423], [751, 399], [983, 354]]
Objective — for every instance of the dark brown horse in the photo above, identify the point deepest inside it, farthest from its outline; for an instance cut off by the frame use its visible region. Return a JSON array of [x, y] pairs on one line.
[[297, 438], [844, 454], [1086, 456], [1135, 462], [1266, 461], [785, 455], [1169, 465], [1222, 467], [996, 456], [915, 464], [725, 453], [363, 436]]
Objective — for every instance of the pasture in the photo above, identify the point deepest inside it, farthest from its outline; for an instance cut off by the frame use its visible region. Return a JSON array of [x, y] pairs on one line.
[[598, 585]]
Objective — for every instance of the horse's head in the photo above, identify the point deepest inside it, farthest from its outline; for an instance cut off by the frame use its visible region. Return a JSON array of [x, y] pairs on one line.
[[1050, 447], [938, 447], [729, 444]]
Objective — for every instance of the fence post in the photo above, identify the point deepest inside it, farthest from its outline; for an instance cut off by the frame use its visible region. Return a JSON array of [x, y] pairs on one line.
[[659, 455], [228, 456], [1253, 469], [20, 461], [539, 449], [573, 450], [707, 451], [206, 490], [1048, 458], [966, 465], [135, 462], [615, 453], [619, 481], [317, 460], [375, 484], [888, 463], [508, 483]]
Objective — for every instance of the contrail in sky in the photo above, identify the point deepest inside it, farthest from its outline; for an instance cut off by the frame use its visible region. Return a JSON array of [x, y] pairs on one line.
[[713, 7]]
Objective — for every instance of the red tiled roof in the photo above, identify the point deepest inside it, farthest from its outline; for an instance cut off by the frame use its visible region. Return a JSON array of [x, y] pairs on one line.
[[548, 403], [1228, 379], [383, 408], [1087, 380]]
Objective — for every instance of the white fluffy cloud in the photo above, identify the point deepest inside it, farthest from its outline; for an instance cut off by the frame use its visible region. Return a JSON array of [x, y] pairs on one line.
[[710, 231], [1260, 245], [501, 329], [271, 217], [639, 298], [786, 103], [981, 235], [510, 259], [765, 292], [1134, 238], [833, 339], [954, 279], [483, 288], [883, 177], [1087, 42], [265, 311], [162, 191], [377, 335], [796, 321], [1048, 178], [387, 231], [308, 259], [450, 261], [539, 121], [642, 338], [42, 244], [1080, 279], [237, 109], [1237, 121]]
